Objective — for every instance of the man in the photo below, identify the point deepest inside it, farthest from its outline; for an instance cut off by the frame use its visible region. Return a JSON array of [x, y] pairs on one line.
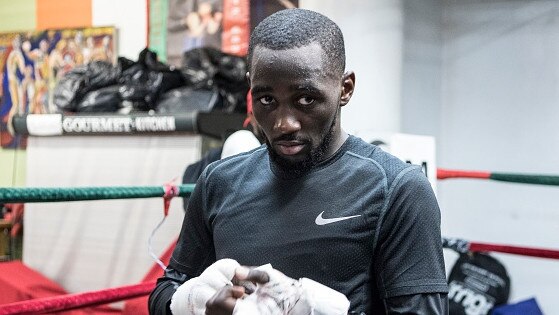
[[15, 62], [314, 202]]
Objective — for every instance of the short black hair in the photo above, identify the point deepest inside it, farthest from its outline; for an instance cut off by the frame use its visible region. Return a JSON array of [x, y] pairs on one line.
[[293, 28]]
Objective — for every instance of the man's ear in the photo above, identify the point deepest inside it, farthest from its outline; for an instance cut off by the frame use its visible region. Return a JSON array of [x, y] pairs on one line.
[[348, 85]]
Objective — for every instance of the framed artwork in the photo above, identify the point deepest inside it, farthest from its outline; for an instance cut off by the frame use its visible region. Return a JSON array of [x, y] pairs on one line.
[[32, 62], [177, 26]]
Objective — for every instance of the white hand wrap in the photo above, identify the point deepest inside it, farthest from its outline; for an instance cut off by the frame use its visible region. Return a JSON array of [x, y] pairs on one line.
[[191, 297], [285, 296]]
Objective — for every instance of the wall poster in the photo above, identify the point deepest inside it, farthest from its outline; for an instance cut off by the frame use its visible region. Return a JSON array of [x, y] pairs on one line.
[[221, 24], [32, 62]]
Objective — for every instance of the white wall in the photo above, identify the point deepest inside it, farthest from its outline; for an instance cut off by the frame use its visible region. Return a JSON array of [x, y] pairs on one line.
[[373, 37], [500, 112], [130, 19], [420, 100]]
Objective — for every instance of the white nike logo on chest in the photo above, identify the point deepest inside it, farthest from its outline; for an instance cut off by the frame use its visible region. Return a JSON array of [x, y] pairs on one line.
[[322, 221]]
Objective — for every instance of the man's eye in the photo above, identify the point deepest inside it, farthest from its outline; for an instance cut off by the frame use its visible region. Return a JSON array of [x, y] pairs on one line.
[[306, 100], [266, 100]]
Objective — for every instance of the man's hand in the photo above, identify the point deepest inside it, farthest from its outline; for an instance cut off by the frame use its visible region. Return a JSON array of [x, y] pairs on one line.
[[192, 296], [279, 294], [223, 288], [251, 275], [224, 301]]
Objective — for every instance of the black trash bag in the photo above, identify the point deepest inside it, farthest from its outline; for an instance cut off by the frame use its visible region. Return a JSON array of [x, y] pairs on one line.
[[189, 99], [141, 88], [105, 99], [148, 59], [231, 74], [209, 67], [68, 88], [477, 283], [125, 63], [100, 74], [172, 78], [143, 82], [73, 87], [199, 66]]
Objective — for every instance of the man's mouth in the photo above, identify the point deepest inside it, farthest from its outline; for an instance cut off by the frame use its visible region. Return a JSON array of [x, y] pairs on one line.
[[289, 147]]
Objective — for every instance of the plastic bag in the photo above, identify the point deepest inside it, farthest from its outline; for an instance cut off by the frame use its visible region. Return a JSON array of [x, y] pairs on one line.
[[73, 87], [188, 99], [144, 81], [211, 68], [106, 99], [67, 89]]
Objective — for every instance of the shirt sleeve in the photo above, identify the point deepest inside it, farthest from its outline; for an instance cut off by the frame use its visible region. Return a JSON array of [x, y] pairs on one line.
[[160, 298], [432, 303], [408, 249], [195, 249]]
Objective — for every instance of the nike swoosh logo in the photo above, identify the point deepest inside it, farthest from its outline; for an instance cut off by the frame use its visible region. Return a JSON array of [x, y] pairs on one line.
[[322, 221]]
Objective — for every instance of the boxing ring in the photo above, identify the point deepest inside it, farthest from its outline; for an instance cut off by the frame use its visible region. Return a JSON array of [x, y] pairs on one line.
[[168, 191]]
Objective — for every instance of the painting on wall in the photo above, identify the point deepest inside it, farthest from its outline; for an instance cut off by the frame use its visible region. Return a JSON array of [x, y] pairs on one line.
[[221, 24], [192, 24], [32, 62]]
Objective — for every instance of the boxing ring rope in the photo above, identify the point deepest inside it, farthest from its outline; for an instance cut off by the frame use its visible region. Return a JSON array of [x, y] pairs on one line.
[[93, 298], [167, 192], [12, 195], [464, 246], [536, 179], [78, 300], [17, 195]]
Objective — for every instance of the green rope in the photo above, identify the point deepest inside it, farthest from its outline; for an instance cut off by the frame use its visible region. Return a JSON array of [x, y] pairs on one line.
[[526, 179], [9, 195]]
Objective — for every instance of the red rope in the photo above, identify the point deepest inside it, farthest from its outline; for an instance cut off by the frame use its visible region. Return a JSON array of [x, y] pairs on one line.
[[78, 300], [444, 173], [524, 251], [171, 191]]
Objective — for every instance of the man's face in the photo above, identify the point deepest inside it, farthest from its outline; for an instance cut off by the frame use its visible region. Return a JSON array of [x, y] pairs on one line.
[[296, 104], [44, 45]]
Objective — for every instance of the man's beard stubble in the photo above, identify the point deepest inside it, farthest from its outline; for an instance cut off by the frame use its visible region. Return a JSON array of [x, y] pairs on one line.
[[314, 157]]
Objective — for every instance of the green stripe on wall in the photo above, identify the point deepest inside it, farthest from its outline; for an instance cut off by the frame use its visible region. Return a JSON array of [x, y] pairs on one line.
[[12, 167], [158, 11], [17, 15]]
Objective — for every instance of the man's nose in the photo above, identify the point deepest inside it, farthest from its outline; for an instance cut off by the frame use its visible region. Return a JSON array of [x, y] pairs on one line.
[[287, 123]]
